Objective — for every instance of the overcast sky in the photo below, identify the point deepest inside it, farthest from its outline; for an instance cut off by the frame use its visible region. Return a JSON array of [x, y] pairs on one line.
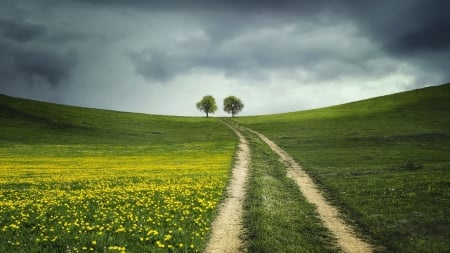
[[161, 57]]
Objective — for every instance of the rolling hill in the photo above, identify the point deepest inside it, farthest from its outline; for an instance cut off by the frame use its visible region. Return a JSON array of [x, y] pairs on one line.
[[76, 180], [384, 161]]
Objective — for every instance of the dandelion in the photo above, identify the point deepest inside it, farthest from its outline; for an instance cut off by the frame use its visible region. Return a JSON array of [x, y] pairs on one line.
[[160, 244], [77, 202], [167, 237]]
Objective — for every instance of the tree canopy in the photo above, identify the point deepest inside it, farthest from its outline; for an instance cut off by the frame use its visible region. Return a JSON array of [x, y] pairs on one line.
[[232, 105], [207, 105]]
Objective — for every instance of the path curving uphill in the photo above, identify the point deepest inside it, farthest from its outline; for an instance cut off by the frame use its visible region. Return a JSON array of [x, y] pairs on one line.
[[344, 234], [227, 229]]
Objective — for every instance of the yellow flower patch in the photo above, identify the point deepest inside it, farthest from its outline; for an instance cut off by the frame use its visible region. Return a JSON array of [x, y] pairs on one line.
[[151, 202]]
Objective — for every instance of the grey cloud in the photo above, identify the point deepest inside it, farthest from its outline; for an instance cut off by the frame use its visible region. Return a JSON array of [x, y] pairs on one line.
[[383, 19], [45, 64], [32, 55], [234, 44], [402, 25], [411, 30], [7, 70], [396, 28], [430, 37], [25, 66], [336, 51], [235, 6], [67, 37], [406, 26], [155, 65], [20, 31]]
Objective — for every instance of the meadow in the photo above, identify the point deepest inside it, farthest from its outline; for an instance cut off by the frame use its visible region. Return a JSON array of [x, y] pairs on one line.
[[85, 180], [384, 162], [277, 217]]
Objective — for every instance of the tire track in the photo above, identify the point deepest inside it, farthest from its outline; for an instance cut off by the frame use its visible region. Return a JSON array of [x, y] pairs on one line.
[[227, 229], [344, 234]]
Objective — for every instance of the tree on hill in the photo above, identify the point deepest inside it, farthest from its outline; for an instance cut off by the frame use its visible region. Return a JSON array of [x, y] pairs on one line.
[[207, 105], [232, 105]]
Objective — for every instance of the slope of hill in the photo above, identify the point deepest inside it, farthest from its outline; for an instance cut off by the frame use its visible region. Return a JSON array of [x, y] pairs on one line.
[[77, 180], [28, 121], [384, 161]]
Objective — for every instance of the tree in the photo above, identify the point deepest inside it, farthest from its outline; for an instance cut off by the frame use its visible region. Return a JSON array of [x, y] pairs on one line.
[[232, 105], [207, 105]]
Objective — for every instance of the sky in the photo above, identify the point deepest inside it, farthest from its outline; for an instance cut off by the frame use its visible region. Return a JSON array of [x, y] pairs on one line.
[[162, 57]]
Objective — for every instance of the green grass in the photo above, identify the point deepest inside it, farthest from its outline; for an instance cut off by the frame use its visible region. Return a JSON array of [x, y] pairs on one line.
[[85, 180], [385, 162], [31, 122], [277, 217]]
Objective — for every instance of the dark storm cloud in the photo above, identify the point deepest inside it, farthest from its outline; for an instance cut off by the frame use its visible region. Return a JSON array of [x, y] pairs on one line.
[[397, 28], [425, 40], [33, 66], [405, 26], [25, 57], [20, 31], [428, 38], [255, 53], [90, 47], [31, 54], [412, 30], [51, 66]]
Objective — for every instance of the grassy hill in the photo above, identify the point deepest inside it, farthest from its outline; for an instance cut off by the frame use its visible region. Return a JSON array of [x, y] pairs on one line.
[[76, 180], [27, 121], [384, 161]]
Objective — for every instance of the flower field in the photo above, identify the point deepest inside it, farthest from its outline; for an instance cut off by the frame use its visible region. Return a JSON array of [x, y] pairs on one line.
[[75, 198]]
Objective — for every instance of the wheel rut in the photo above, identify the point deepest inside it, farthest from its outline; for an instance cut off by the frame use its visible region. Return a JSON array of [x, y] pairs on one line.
[[227, 229], [345, 236]]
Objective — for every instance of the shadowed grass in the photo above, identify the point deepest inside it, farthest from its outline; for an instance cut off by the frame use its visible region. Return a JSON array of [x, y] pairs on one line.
[[32, 122], [384, 161], [277, 216]]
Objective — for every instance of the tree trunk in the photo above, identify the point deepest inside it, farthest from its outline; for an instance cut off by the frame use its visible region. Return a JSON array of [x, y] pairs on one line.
[[207, 115]]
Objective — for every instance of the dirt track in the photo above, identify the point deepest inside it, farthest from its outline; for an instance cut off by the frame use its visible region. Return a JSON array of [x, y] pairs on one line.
[[227, 228], [345, 236]]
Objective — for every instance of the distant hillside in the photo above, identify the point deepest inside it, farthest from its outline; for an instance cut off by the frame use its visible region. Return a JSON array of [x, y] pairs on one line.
[[434, 100], [27, 121]]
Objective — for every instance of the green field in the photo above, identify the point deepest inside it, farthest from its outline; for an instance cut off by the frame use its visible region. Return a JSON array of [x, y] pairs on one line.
[[385, 162], [277, 217], [85, 180]]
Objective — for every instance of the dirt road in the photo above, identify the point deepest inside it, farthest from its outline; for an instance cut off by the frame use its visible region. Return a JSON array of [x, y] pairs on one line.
[[344, 234], [227, 228]]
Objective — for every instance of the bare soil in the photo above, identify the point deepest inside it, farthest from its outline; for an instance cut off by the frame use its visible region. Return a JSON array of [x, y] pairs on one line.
[[227, 229], [345, 236]]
